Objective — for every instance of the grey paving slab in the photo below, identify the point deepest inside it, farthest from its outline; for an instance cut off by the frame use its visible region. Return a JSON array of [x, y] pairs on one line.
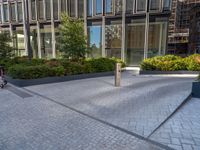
[[139, 106], [35, 123], [182, 131]]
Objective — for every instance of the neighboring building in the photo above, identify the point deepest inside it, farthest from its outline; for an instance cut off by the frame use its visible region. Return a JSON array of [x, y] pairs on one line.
[[194, 38], [128, 29], [178, 36]]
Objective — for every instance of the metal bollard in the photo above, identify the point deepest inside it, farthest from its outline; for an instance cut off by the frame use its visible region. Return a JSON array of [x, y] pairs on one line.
[[118, 74]]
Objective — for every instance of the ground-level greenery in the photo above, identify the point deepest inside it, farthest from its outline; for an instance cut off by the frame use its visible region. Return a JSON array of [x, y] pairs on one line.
[[22, 68], [172, 63]]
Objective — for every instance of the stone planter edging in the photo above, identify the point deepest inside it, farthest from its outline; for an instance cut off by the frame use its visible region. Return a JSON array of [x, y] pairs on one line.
[[196, 89], [167, 72], [47, 80]]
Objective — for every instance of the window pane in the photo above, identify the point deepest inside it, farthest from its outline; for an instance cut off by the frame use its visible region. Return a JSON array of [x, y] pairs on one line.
[[89, 7], [129, 6], [113, 35], [40, 9], [13, 13], [48, 9], [55, 9], [72, 8], [95, 41], [0, 14], [80, 8], [155, 4], [33, 13], [19, 10], [141, 5], [33, 40], [135, 42], [166, 4], [109, 6], [63, 5], [98, 7], [118, 6], [5, 11]]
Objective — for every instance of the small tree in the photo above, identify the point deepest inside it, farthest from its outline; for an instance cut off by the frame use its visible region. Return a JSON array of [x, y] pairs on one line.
[[6, 51], [71, 40]]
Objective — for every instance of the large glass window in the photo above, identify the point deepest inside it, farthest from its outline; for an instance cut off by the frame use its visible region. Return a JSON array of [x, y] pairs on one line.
[[166, 4], [19, 10], [95, 41], [155, 4], [113, 40], [118, 6], [34, 43], [5, 12], [55, 9], [33, 10], [46, 42], [72, 8], [89, 7], [40, 9], [48, 9], [80, 8], [63, 5], [135, 42], [129, 6], [98, 7], [109, 6], [141, 5], [13, 12]]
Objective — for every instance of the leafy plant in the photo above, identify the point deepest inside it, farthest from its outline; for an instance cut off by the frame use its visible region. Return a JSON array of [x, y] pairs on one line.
[[71, 40], [6, 51]]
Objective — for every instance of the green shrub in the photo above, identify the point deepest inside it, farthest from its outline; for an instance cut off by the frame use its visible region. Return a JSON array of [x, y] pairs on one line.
[[193, 62], [34, 72], [164, 63]]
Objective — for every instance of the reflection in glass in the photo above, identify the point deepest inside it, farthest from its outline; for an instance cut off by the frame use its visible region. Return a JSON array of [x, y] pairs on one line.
[[98, 7], [48, 9], [113, 36], [46, 42], [166, 4], [95, 41], [19, 10], [89, 8], [118, 6], [129, 6], [141, 5], [5, 12], [13, 13], [135, 42], [33, 13], [155, 4], [109, 6]]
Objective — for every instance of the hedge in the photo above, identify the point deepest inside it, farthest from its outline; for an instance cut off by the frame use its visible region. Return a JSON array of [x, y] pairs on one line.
[[23, 69], [172, 63]]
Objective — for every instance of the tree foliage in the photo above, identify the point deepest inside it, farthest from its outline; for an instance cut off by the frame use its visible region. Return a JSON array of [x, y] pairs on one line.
[[6, 51], [71, 40]]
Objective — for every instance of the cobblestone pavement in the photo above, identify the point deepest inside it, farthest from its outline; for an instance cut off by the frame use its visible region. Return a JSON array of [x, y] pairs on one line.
[[182, 131], [35, 123], [139, 106]]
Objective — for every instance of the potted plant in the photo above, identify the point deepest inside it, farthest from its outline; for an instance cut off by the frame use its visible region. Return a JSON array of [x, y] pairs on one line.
[[196, 88]]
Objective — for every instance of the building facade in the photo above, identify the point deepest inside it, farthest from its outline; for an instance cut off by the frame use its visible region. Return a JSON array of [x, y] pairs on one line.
[[194, 36], [179, 27], [128, 29]]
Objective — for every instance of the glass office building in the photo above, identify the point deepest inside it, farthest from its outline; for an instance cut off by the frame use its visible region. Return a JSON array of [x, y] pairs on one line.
[[128, 29]]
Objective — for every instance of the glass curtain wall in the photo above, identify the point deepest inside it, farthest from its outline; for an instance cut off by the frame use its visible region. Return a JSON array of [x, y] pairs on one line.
[[135, 37], [95, 41], [113, 39], [46, 41]]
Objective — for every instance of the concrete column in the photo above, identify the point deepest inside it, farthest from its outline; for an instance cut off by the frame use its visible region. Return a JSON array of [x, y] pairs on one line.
[[24, 26], [146, 35], [103, 37], [76, 8], [53, 32], [123, 45], [160, 39], [39, 40], [85, 17]]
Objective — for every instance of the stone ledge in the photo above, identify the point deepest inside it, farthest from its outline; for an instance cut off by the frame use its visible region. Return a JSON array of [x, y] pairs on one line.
[[167, 72], [47, 80]]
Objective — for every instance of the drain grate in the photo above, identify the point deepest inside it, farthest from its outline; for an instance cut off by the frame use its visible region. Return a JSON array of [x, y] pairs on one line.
[[18, 92]]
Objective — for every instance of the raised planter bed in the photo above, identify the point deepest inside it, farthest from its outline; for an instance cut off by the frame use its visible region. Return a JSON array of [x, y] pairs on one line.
[[196, 89], [167, 72], [47, 80]]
